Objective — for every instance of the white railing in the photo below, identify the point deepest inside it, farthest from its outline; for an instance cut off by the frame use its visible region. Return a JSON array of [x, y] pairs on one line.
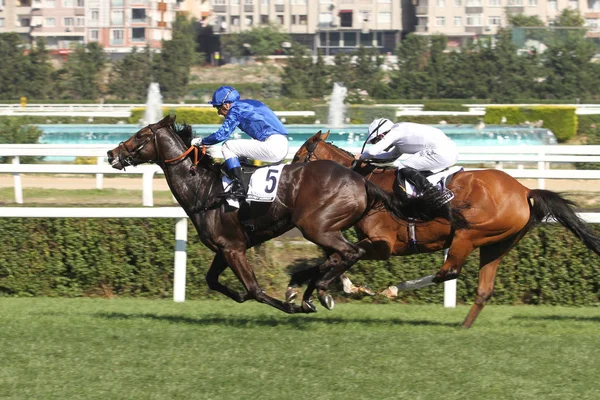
[[181, 232], [124, 110], [541, 157]]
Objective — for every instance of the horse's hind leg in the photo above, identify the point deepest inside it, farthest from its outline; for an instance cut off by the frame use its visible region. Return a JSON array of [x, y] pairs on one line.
[[236, 259], [489, 260], [212, 279]]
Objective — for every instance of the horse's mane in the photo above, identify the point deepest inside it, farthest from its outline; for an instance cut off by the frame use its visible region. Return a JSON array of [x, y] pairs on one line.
[[342, 150], [185, 133]]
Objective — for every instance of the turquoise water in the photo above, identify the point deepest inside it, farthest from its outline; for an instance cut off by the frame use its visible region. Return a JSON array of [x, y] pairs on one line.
[[352, 136]]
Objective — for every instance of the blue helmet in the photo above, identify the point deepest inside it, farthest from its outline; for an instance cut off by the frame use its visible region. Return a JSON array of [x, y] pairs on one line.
[[224, 94]]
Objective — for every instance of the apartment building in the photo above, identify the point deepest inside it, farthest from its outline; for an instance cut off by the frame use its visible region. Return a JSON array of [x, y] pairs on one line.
[[330, 26], [117, 25], [460, 19]]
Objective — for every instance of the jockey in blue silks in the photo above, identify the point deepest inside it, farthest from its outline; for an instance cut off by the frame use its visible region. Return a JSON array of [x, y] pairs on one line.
[[269, 137]]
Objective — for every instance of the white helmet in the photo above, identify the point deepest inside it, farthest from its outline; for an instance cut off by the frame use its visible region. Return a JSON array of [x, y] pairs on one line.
[[378, 128]]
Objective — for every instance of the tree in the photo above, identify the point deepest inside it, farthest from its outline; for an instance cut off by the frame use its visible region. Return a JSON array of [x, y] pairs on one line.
[[83, 72], [436, 66], [568, 17], [173, 64], [39, 72], [260, 41], [131, 76], [296, 76], [319, 78], [367, 66], [410, 80], [521, 20], [13, 77]]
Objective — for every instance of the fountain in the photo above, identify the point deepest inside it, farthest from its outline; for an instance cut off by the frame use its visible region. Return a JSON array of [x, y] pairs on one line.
[[154, 111], [337, 108]]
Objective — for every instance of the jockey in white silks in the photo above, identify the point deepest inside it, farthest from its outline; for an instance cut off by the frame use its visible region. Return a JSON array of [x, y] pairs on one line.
[[430, 149], [269, 137]]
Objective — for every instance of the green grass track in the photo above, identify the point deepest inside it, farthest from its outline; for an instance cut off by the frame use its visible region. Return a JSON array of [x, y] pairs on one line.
[[157, 349]]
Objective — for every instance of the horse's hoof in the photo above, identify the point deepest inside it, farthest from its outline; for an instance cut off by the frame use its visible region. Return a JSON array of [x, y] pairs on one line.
[[367, 290], [391, 292], [290, 294], [308, 307], [327, 301]]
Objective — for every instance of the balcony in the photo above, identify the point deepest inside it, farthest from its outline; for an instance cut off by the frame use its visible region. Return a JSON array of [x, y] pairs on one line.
[[220, 8], [80, 11], [279, 8], [478, 30], [516, 9], [420, 28], [248, 8], [473, 10]]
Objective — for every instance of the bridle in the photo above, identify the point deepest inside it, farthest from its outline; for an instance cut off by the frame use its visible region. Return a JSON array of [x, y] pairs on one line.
[[132, 154], [310, 148]]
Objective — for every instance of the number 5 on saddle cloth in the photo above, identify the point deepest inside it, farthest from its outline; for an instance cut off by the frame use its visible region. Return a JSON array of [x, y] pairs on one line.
[[260, 183]]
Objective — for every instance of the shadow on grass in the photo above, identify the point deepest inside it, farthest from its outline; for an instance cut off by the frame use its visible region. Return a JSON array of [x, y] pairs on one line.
[[297, 322], [557, 318]]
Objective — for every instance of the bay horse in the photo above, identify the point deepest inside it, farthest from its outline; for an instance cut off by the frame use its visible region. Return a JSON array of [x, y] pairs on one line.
[[320, 199], [501, 211]]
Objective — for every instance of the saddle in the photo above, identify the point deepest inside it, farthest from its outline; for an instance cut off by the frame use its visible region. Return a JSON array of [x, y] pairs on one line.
[[248, 168]]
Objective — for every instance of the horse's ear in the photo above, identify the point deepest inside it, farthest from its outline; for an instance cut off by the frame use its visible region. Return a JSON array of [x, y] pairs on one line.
[[168, 120], [325, 135], [314, 137]]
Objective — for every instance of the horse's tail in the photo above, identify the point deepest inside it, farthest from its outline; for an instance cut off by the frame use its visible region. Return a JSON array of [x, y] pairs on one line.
[[545, 203], [376, 196]]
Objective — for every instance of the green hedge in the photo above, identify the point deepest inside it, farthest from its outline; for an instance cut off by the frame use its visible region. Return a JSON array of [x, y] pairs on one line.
[[134, 257], [357, 114], [561, 120], [188, 115]]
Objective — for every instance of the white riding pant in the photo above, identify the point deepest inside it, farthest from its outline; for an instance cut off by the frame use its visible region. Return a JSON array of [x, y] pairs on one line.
[[274, 149], [432, 159]]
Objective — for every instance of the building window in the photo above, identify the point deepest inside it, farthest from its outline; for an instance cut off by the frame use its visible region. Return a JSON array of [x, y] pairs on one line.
[[116, 3], [346, 19], [280, 19], [384, 17], [235, 2], [219, 2], [495, 21], [573, 4], [440, 3], [116, 17], [25, 22], [248, 20], [264, 2], [80, 3], [264, 19], [95, 15], [50, 3], [334, 39], [384, 1], [138, 15], [495, 3], [349, 39], [440, 21], [457, 21], [298, 2], [1, 22], [303, 19], [473, 3], [366, 40], [458, 3], [117, 36], [533, 3], [68, 3], [94, 34], [80, 21], [293, 20], [50, 22], [552, 5], [69, 21], [515, 2], [138, 34], [235, 21], [473, 19]]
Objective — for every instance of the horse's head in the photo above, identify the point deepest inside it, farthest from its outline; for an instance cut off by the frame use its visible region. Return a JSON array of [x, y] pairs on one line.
[[143, 146], [316, 148], [306, 151]]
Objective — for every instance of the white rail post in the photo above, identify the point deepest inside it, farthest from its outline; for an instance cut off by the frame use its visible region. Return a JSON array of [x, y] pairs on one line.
[[18, 183], [147, 196], [181, 229], [99, 177], [541, 167], [449, 289]]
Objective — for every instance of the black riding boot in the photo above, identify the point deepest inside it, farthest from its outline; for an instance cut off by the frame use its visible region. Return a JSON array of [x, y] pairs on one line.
[[425, 189], [237, 183]]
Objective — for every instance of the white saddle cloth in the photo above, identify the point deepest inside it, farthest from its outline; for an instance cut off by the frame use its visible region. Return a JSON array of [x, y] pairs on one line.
[[263, 185]]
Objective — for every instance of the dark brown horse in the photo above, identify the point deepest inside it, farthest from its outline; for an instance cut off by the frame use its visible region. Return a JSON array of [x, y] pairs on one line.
[[320, 199], [501, 211]]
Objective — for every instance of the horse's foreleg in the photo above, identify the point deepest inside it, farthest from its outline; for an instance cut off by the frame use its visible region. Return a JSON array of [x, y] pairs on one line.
[[236, 259], [212, 279]]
